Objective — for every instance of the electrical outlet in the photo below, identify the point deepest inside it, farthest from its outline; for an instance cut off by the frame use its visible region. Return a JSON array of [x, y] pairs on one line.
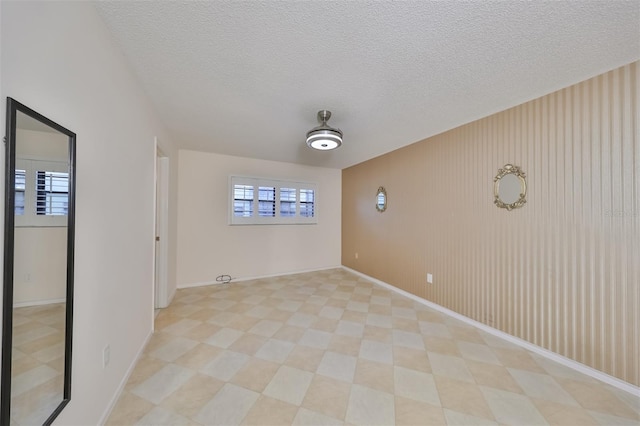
[[106, 356], [429, 278], [356, 255]]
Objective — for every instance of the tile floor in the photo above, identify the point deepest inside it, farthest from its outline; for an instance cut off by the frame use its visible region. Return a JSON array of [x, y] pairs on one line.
[[37, 362], [328, 347]]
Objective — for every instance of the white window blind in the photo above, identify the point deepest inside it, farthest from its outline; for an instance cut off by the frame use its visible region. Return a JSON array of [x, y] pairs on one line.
[[262, 201]]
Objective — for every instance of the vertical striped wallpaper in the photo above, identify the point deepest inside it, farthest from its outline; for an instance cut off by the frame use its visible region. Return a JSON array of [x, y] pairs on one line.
[[563, 272]]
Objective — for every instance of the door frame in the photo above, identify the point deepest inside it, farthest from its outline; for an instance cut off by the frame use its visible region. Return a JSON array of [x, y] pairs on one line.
[[161, 229]]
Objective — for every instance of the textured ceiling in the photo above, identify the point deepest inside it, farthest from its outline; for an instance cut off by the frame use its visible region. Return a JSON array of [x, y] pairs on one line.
[[247, 78]]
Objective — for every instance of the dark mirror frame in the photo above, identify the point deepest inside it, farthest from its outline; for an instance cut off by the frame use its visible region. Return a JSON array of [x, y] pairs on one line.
[[13, 107]]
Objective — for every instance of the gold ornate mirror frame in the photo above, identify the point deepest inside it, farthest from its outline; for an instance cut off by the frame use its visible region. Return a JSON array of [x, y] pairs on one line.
[[381, 199], [510, 169]]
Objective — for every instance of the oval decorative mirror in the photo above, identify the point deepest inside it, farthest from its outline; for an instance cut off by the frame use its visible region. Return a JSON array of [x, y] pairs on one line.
[[510, 187], [38, 267], [381, 199]]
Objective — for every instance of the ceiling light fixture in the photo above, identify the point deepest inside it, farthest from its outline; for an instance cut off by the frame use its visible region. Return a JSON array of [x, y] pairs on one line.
[[324, 137]]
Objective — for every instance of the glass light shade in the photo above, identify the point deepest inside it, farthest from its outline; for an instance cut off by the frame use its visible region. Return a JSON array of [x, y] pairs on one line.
[[324, 139]]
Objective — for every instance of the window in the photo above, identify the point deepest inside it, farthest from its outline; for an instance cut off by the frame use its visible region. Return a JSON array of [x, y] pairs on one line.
[[288, 197], [243, 201], [42, 193], [266, 201], [307, 202], [258, 201]]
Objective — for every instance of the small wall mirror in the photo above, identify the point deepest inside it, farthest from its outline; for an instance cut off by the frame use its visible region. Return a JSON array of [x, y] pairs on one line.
[[38, 268], [381, 199], [510, 187]]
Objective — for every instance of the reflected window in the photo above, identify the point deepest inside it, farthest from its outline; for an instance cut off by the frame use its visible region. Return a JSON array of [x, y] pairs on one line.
[[52, 193], [19, 192]]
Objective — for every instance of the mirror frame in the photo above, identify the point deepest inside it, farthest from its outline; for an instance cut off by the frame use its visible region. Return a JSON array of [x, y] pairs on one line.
[[510, 169], [382, 191], [13, 107]]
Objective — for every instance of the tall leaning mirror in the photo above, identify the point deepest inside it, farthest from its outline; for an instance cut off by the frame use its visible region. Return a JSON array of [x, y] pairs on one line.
[[38, 267]]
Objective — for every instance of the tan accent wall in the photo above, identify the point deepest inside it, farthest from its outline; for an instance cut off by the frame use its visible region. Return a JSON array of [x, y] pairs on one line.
[[563, 272]]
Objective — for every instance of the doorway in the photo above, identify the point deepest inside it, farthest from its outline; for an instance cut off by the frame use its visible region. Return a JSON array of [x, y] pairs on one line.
[[161, 245]]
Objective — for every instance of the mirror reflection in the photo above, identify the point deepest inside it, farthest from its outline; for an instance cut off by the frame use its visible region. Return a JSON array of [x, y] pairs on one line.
[[381, 199], [510, 187], [39, 287], [39, 284]]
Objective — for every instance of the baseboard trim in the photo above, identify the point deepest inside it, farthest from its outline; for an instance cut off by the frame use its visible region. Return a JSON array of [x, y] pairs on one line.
[[258, 277], [560, 359], [124, 381], [38, 303]]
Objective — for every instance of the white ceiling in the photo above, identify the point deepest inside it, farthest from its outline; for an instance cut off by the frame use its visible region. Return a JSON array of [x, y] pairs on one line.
[[248, 77]]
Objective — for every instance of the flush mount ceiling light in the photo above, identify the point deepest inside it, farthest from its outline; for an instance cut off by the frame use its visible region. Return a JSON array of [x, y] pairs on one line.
[[324, 137]]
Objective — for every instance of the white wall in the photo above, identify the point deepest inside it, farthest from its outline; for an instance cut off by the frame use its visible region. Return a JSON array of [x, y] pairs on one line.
[[57, 58], [208, 246]]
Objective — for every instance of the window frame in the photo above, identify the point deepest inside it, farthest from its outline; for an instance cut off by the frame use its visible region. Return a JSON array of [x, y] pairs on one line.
[[277, 219]]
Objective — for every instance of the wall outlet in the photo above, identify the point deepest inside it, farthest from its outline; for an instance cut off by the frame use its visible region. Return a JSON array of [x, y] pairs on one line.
[[429, 278], [106, 356], [356, 255]]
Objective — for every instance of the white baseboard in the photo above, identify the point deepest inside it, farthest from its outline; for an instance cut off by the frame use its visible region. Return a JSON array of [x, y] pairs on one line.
[[38, 302], [124, 380], [567, 362], [280, 274]]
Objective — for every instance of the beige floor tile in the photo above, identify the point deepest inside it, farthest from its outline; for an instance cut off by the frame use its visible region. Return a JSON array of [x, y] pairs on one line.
[[305, 358], [456, 418], [512, 408], [269, 411], [370, 407], [542, 386], [353, 316], [289, 333], [560, 414], [202, 332], [203, 314], [518, 358], [463, 397], [411, 413], [198, 356], [289, 385], [411, 358], [337, 350], [379, 334], [325, 324], [495, 376], [256, 374], [345, 345], [415, 385], [374, 375], [466, 334], [145, 368], [229, 407], [243, 323], [193, 395], [593, 396], [450, 366], [248, 343], [338, 366], [441, 345], [306, 417], [327, 396], [129, 409], [406, 325]]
